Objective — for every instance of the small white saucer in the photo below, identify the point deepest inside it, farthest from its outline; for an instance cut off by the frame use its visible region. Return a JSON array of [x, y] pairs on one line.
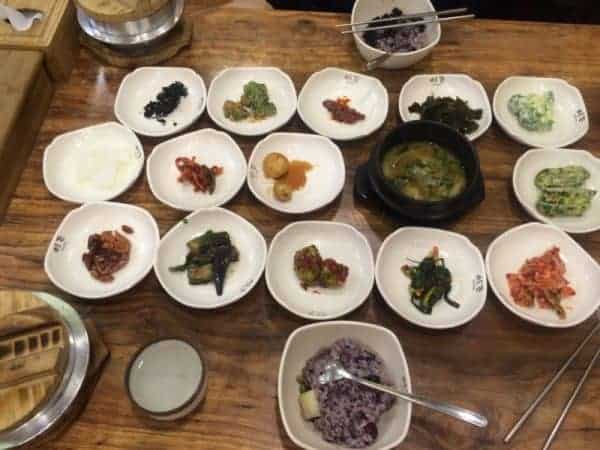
[[229, 85], [463, 260], [535, 160], [324, 181], [92, 164], [339, 241], [144, 84], [63, 263], [166, 379], [419, 87], [210, 147], [509, 251], [367, 94], [571, 120], [241, 275]]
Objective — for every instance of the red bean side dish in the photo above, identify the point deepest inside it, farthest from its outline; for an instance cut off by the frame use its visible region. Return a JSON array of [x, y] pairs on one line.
[[341, 112], [200, 176]]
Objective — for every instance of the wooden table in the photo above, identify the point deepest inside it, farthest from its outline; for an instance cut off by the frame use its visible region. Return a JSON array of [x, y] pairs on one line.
[[495, 364]]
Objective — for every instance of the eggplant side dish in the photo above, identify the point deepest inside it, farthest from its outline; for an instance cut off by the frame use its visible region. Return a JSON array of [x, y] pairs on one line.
[[208, 259], [430, 281]]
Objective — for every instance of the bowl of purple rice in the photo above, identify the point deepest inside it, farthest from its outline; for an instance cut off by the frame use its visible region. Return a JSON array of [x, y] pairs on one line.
[[408, 45], [343, 414]]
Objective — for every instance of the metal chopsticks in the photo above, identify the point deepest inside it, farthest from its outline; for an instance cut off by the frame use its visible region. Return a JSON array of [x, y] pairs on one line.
[[565, 410], [408, 16], [426, 21], [549, 386]]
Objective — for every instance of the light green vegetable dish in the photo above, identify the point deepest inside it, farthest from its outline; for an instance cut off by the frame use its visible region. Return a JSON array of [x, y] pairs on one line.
[[534, 112], [254, 105], [562, 191]]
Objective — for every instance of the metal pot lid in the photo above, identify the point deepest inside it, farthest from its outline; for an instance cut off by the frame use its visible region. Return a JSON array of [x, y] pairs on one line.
[[70, 384], [134, 32]]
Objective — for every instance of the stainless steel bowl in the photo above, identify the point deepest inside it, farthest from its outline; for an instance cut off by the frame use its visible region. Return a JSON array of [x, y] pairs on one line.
[[134, 32], [70, 384]]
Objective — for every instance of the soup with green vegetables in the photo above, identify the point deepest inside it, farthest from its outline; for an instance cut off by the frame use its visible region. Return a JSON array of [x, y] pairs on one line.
[[424, 171]]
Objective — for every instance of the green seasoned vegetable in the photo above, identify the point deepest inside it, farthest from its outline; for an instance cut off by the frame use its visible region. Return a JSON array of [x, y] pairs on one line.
[[208, 258], [562, 193], [454, 112], [562, 177], [430, 281], [253, 105], [423, 171], [534, 112], [572, 202], [235, 111]]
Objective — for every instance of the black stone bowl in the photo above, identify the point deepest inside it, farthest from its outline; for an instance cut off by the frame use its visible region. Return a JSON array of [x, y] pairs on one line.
[[370, 182]]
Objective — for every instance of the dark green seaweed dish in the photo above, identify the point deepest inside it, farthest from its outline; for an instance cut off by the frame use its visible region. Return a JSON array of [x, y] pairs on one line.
[[424, 171], [208, 259], [454, 112], [562, 191], [430, 281]]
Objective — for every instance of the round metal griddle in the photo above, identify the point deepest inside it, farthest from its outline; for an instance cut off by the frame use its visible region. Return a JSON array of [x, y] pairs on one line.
[[69, 385], [132, 33]]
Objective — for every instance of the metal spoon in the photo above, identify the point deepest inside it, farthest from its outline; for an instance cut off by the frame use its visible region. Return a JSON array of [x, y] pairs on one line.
[[334, 371], [376, 62]]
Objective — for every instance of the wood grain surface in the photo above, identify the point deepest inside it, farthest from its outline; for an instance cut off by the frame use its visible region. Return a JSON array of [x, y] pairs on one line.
[[495, 364]]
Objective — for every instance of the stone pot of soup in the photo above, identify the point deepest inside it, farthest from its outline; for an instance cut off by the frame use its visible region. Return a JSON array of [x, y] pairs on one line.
[[427, 171]]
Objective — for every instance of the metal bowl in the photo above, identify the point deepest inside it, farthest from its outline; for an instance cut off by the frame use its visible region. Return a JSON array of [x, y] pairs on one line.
[[69, 386], [135, 32]]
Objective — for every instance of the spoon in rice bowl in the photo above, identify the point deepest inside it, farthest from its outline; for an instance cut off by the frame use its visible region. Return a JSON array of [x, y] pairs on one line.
[[334, 371]]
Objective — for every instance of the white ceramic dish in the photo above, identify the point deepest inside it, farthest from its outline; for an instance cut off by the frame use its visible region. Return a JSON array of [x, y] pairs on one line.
[[533, 161], [63, 262], [170, 366], [324, 181], [462, 258], [419, 87], [229, 85], [241, 275], [510, 250], [92, 164], [570, 114], [339, 241], [144, 84], [367, 94], [210, 147], [365, 10], [304, 343]]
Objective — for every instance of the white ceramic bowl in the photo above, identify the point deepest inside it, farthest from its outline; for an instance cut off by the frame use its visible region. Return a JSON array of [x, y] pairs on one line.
[[419, 87], [210, 147], [170, 366], [533, 161], [463, 259], [339, 241], [324, 181], [229, 85], [144, 84], [570, 114], [304, 343], [241, 275], [63, 262], [92, 164], [510, 250], [367, 94], [365, 10]]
